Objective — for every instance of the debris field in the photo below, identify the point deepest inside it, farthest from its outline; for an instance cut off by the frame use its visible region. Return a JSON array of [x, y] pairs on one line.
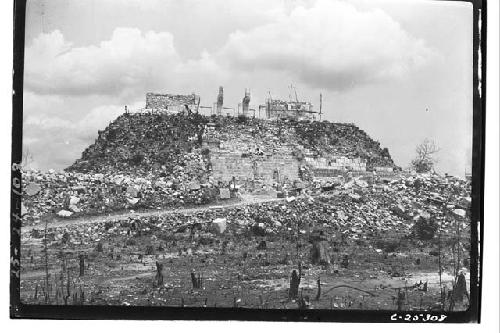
[[146, 218]]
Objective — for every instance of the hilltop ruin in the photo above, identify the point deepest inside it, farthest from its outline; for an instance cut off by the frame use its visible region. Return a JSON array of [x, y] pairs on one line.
[[226, 208], [250, 151]]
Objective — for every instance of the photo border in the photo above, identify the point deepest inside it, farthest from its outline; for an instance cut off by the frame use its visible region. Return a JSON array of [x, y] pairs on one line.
[[19, 310]]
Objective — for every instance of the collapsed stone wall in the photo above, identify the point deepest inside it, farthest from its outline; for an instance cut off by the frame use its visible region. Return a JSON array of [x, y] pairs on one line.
[[189, 147], [324, 149], [346, 140], [180, 159], [146, 144]]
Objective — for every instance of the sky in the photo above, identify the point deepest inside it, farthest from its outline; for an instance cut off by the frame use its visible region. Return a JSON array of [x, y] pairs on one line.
[[399, 69]]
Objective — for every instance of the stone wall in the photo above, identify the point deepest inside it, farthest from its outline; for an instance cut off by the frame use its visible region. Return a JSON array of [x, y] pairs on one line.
[[169, 101], [336, 163], [383, 169], [243, 167], [326, 173]]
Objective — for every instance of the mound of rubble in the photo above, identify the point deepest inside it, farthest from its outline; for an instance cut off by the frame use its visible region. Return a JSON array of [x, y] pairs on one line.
[[343, 140], [355, 213], [70, 194], [145, 144], [162, 143], [165, 160]]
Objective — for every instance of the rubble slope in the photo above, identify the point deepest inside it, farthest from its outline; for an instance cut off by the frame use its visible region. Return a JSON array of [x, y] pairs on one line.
[[160, 143]]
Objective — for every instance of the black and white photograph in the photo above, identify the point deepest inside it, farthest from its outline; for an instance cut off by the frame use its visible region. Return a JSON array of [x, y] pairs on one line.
[[302, 160]]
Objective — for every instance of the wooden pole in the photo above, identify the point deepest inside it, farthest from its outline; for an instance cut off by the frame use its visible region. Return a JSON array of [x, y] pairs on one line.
[[82, 265], [46, 250], [320, 105], [458, 249], [318, 295], [439, 257]]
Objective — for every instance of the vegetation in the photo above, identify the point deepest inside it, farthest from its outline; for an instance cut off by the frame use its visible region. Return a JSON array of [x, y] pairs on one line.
[[425, 229], [425, 161]]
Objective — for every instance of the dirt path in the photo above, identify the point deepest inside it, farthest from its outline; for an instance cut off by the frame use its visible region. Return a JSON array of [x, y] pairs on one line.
[[246, 200]]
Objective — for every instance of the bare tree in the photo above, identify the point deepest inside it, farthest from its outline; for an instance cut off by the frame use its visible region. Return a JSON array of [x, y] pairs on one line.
[[425, 161]]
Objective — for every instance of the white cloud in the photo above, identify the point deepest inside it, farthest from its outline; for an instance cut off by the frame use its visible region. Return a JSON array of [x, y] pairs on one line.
[[327, 44], [324, 44], [47, 123], [56, 142], [99, 117], [129, 59], [330, 44], [41, 104]]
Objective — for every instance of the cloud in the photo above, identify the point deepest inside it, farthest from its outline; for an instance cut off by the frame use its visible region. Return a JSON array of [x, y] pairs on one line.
[[72, 92], [85, 128], [326, 44], [99, 117], [48, 123], [317, 44], [56, 142], [130, 59], [330, 44]]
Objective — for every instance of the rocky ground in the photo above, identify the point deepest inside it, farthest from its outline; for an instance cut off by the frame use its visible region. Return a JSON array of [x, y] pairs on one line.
[[355, 245]]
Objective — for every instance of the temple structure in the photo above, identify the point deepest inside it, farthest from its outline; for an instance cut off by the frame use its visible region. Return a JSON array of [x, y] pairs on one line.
[[278, 109]]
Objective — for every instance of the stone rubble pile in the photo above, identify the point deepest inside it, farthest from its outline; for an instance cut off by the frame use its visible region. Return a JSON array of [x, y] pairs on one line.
[[186, 147], [163, 160], [75, 194], [141, 144], [345, 140], [257, 136], [362, 213]]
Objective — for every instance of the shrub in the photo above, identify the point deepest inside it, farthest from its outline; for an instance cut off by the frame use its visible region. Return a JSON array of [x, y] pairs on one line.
[[137, 159], [425, 229], [150, 250], [99, 247], [242, 119], [66, 237], [388, 245], [112, 133], [257, 231], [130, 242]]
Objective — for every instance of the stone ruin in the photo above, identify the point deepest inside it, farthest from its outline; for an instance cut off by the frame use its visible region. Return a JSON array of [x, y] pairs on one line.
[[245, 102], [218, 151], [220, 101], [278, 109], [170, 102]]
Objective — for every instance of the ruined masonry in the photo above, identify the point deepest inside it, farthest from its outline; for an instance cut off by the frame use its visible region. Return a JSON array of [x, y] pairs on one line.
[[171, 102], [255, 153]]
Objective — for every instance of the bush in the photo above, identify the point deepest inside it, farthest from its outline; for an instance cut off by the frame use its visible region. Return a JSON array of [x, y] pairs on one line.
[[242, 119], [130, 242], [137, 159], [99, 247], [150, 250], [66, 237], [388, 245], [257, 231], [425, 229], [422, 166], [112, 133]]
